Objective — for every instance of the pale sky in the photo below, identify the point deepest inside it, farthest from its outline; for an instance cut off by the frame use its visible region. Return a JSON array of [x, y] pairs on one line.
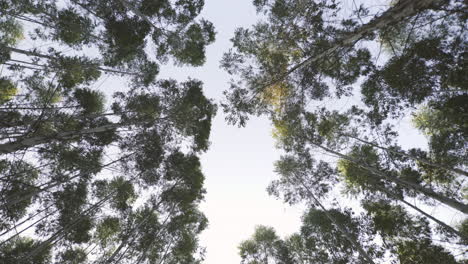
[[239, 164]]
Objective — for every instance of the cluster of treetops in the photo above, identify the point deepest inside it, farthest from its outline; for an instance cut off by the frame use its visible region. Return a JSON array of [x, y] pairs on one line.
[[90, 179]]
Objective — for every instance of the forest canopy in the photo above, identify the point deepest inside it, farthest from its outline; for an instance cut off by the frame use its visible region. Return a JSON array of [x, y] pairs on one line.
[[94, 174]]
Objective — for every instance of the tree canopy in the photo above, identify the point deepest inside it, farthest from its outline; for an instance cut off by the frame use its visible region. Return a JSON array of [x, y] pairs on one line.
[[90, 173], [338, 81], [92, 178]]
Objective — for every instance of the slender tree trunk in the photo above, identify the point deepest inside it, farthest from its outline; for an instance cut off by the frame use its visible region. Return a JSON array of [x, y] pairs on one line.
[[404, 9], [137, 12], [441, 198], [7, 148], [341, 228], [13, 200], [22, 66], [60, 232], [149, 246], [125, 241], [40, 55], [31, 225], [444, 225], [40, 108], [22, 222], [404, 154]]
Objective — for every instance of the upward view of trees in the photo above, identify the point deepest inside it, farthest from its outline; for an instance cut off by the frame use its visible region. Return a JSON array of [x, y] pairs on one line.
[[336, 84], [89, 178], [99, 157]]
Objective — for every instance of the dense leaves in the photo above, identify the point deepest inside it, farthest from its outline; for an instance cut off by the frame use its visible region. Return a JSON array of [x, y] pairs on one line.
[[94, 178], [312, 68]]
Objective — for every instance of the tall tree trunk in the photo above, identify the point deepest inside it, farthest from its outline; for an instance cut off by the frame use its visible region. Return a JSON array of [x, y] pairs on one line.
[[444, 225], [31, 225], [142, 256], [17, 225], [404, 154], [441, 198], [125, 241], [13, 200], [341, 228], [62, 230], [7, 148], [40, 55], [402, 10]]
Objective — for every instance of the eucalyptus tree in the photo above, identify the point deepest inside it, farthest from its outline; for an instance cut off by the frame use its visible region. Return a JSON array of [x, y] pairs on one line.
[[150, 127], [307, 59], [405, 239], [318, 241], [93, 178]]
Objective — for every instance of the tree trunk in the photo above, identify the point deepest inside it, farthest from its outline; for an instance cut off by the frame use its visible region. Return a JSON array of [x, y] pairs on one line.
[[342, 229], [22, 222], [125, 241], [402, 10], [404, 154], [11, 201], [441, 198], [57, 234], [31, 225], [40, 55], [449, 228], [7, 148]]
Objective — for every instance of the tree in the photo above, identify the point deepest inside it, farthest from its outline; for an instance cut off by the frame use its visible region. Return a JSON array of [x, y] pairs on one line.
[[74, 162], [306, 59]]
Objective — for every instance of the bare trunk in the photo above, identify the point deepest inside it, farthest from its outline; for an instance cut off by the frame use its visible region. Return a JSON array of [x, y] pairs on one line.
[[34, 141], [31, 225], [404, 154], [22, 222], [404, 9], [441, 198], [61, 231], [40, 55], [449, 228], [13, 200], [125, 241], [342, 229]]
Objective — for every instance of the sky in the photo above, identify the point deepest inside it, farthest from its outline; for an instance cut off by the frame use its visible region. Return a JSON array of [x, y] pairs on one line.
[[239, 164]]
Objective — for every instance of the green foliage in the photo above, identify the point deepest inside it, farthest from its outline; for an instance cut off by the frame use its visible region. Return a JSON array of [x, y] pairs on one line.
[[261, 248], [72, 28], [121, 190], [14, 252], [421, 252], [193, 113], [22, 176], [71, 203], [191, 50], [74, 71], [74, 256], [125, 38], [11, 32], [92, 102], [107, 230], [392, 221], [7, 90], [356, 177]]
